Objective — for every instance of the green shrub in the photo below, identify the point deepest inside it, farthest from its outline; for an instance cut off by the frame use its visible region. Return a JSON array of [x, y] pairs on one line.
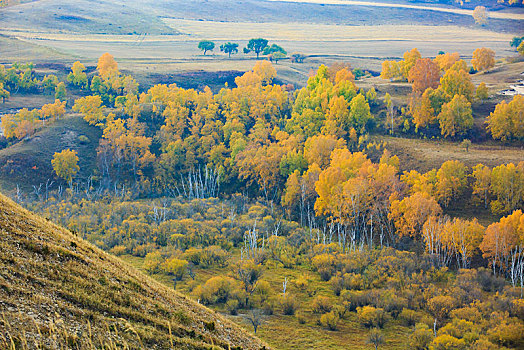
[[321, 305], [421, 337], [175, 267], [410, 317], [370, 316], [82, 139], [330, 320], [289, 304]]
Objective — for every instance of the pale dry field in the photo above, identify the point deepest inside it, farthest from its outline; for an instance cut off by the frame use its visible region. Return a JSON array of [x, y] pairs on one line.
[[491, 14], [364, 46]]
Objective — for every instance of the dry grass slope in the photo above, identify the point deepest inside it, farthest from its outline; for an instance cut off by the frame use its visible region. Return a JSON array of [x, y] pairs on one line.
[[58, 291]]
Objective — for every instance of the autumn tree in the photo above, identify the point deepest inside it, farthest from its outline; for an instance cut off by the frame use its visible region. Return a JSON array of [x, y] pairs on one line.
[[520, 49], [482, 92], [483, 59], [4, 94], [266, 71], [390, 117], [206, 45], [256, 45], [91, 108], [456, 117], [480, 15], [462, 238], [451, 181], [424, 74], [507, 185], [501, 238], [422, 110], [359, 113], [410, 213], [410, 59], [78, 76], [447, 60], [229, 48], [318, 149], [53, 111], [49, 83], [60, 91], [391, 70], [457, 82], [506, 122], [482, 183], [65, 165], [107, 66]]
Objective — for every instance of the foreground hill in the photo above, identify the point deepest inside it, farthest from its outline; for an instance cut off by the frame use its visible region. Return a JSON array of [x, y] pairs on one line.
[[58, 291]]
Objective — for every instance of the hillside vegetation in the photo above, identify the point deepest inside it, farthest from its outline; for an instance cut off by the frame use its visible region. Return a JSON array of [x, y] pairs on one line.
[[57, 290]]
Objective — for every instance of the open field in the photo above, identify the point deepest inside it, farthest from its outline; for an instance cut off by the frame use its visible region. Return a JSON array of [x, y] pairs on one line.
[[364, 46], [162, 36], [425, 155], [501, 15]]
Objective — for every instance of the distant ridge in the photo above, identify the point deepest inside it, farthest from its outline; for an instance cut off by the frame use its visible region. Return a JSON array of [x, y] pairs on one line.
[[58, 291]]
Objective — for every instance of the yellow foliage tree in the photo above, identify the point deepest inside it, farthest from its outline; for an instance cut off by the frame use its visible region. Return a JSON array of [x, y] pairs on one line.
[[107, 66], [65, 165], [483, 59], [452, 181], [410, 213], [447, 60], [455, 117], [506, 122], [424, 74], [91, 108]]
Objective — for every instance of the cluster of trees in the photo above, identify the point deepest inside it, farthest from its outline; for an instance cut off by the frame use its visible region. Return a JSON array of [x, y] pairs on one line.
[[443, 94], [256, 133], [26, 122], [21, 77], [259, 46]]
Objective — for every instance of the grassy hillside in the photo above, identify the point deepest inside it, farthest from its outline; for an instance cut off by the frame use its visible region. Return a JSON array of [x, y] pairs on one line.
[[28, 162], [95, 17], [58, 290]]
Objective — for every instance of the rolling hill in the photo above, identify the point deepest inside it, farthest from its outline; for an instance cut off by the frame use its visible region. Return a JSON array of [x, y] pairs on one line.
[[58, 291]]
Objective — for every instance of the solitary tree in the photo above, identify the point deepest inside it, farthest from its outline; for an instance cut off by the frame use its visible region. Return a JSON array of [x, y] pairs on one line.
[[255, 318], [256, 45], [229, 48], [480, 15], [60, 91], [456, 117], [206, 45], [65, 165], [107, 66], [466, 144]]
